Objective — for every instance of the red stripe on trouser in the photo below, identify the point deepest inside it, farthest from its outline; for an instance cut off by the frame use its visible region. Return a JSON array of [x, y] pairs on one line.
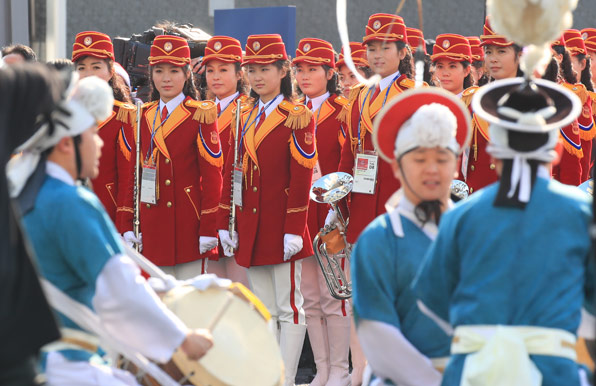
[[343, 302], [292, 290]]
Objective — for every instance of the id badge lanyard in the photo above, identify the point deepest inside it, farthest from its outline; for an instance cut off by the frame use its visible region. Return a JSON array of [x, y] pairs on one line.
[[149, 175], [237, 168]]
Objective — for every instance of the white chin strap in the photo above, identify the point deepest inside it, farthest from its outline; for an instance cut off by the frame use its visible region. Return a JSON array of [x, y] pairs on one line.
[[521, 173]]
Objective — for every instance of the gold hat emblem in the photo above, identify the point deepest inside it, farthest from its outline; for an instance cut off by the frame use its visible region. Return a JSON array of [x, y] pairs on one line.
[[377, 24], [87, 40], [446, 44], [585, 35], [306, 47], [217, 46], [167, 46], [256, 46]]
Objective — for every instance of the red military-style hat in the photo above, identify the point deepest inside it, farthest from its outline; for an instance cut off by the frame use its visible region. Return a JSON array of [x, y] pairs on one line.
[[385, 27], [574, 42], [398, 113], [415, 39], [358, 56], [223, 48], [491, 38], [477, 51], [169, 49], [589, 36], [559, 42], [92, 43], [452, 47], [264, 49], [315, 51]]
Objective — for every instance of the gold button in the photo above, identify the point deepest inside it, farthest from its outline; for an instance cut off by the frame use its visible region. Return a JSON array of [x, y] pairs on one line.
[[492, 166], [472, 167], [169, 204], [254, 167], [240, 208], [254, 189], [148, 205], [471, 190], [187, 190], [254, 210], [168, 182], [167, 160]]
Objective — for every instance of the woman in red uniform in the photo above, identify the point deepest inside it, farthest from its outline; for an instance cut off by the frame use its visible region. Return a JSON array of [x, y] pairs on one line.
[[347, 79], [182, 160], [388, 56], [569, 169], [452, 58], [327, 319], [478, 71], [93, 54], [225, 80], [278, 154]]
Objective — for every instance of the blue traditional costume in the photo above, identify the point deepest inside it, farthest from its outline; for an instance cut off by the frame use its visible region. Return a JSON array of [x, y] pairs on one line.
[[80, 252], [397, 338], [510, 267]]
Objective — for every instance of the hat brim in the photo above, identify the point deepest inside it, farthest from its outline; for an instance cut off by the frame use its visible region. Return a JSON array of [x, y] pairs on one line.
[[93, 54], [486, 99], [400, 109]]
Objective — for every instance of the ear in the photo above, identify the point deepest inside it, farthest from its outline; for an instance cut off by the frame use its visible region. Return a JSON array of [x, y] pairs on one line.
[[331, 71], [582, 64], [402, 53], [396, 169], [467, 70], [65, 145]]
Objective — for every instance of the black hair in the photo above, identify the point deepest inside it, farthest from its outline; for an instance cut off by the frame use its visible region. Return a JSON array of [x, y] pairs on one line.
[[241, 85], [566, 70], [119, 88], [286, 87], [405, 65], [20, 49], [586, 75], [189, 88], [468, 81], [61, 63], [552, 71]]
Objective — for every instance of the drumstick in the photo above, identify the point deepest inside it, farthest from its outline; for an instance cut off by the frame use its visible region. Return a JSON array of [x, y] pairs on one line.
[[222, 310]]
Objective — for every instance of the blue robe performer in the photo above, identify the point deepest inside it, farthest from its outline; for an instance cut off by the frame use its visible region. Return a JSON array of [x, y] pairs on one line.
[[420, 133], [510, 268]]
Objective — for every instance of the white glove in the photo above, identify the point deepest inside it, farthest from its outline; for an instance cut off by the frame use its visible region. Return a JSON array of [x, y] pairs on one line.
[[201, 282], [207, 243], [228, 244], [208, 280], [131, 240], [160, 285], [292, 245], [331, 218]]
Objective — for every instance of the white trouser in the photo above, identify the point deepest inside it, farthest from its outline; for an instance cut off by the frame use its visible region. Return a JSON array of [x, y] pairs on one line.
[[500, 355], [317, 298], [62, 372], [278, 287], [226, 267], [187, 270]]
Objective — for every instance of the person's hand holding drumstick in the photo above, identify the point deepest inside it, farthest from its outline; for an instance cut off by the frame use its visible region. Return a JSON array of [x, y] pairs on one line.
[[197, 343]]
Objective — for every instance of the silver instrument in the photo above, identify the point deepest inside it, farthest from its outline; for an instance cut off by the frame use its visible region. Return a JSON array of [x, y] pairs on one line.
[[330, 189], [459, 189], [232, 219], [137, 187]]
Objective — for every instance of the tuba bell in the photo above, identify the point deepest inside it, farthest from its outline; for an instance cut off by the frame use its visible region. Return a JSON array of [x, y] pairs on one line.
[[330, 245]]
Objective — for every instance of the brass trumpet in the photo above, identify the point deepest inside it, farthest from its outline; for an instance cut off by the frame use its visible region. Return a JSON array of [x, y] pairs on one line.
[[330, 244]]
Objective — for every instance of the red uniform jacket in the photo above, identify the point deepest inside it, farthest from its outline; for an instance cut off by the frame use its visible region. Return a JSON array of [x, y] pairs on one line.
[[277, 170], [366, 207], [587, 131], [569, 168], [226, 124], [480, 170], [115, 181], [187, 153], [330, 136]]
